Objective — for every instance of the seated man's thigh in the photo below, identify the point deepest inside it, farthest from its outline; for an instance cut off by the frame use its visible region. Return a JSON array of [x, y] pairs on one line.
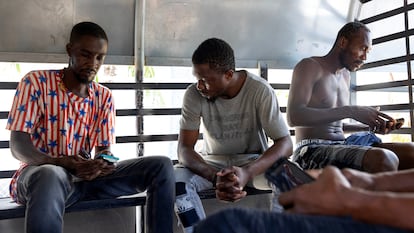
[[183, 174], [319, 156]]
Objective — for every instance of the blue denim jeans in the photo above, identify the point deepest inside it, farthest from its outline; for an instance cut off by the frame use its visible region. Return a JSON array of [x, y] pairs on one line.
[[47, 189], [195, 183], [254, 221]]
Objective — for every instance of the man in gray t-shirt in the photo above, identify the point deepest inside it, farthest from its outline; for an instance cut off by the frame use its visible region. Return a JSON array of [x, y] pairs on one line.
[[238, 112]]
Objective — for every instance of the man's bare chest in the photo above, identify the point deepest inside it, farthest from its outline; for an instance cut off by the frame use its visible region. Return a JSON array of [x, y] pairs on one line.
[[330, 92]]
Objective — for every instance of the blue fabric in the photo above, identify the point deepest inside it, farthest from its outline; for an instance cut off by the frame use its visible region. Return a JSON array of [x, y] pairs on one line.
[[362, 139], [256, 221], [47, 189]]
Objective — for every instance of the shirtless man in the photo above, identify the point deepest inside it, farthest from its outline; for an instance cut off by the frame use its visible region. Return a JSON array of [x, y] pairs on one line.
[[319, 101]]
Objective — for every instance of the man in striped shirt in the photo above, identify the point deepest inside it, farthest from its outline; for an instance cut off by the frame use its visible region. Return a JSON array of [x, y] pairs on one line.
[[57, 118]]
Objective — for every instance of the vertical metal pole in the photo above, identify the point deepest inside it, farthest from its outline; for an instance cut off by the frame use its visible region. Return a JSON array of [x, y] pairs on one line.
[[352, 91], [353, 14], [354, 10], [263, 70], [139, 61], [139, 73], [410, 80]]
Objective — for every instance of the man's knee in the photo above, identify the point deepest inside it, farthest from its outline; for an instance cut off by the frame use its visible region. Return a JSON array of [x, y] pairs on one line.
[[405, 153], [157, 160], [45, 184], [157, 166], [378, 160], [50, 174], [166, 165]]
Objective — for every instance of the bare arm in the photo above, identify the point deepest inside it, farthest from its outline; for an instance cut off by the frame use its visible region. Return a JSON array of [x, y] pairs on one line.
[[301, 111], [384, 126], [332, 194], [190, 158], [395, 181], [23, 150], [385, 208], [354, 127]]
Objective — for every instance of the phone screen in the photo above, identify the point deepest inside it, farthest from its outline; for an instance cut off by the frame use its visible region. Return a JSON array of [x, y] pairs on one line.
[[286, 175]]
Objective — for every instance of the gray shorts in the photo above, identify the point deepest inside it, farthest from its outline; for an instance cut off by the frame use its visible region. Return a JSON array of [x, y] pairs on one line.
[[183, 174], [316, 153]]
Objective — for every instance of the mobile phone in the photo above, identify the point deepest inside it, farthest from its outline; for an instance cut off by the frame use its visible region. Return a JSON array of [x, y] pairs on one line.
[[286, 175], [398, 123], [109, 158]]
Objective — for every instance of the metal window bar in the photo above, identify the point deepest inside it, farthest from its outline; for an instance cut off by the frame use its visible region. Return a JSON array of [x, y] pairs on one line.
[[395, 60], [141, 112]]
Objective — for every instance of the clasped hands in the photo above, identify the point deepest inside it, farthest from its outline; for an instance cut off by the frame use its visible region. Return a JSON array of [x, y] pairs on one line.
[[230, 183]]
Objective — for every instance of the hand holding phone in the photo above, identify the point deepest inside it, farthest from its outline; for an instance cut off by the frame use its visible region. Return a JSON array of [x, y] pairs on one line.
[[397, 124], [400, 123], [286, 175], [108, 158]]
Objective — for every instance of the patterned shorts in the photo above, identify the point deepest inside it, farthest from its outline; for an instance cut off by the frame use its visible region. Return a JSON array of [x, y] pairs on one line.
[[315, 154]]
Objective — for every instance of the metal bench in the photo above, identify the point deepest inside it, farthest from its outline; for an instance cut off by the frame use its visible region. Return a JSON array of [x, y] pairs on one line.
[[9, 209]]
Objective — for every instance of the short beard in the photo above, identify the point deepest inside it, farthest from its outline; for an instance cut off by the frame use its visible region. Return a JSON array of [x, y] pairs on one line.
[[341, 60], [81, 80]]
